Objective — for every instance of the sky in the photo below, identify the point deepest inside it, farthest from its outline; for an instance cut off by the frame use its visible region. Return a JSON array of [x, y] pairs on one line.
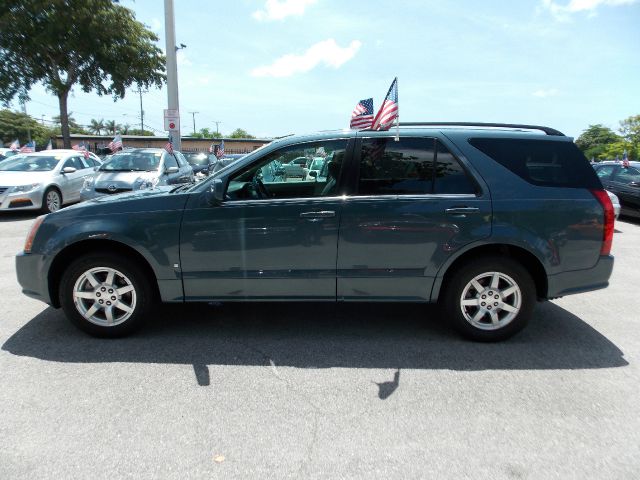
[[275, 67]]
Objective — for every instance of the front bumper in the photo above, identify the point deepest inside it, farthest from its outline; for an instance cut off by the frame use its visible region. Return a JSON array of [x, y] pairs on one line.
[[31, 200], [31, 277], [578, 281]]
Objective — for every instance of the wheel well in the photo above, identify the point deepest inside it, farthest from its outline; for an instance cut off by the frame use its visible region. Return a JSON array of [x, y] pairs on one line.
[[525, 258], [74, 251]]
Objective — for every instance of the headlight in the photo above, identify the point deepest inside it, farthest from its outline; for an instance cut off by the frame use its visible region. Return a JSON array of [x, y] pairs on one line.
[[32, 233], [88, 183], [147, 183], [26, 188]]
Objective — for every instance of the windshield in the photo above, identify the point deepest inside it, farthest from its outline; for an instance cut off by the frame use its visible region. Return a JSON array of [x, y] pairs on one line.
[[133, 162], [197, 158], [21, 163]]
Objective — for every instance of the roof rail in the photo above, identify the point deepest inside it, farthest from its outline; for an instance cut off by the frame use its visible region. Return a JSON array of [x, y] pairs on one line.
[[547, 130]]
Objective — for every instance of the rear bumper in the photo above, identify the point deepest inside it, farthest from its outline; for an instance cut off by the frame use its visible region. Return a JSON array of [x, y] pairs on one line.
[[31, 277], [578, 281]]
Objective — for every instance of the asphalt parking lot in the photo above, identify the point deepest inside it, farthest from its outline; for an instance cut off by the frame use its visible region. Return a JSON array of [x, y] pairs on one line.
[[322, 391]]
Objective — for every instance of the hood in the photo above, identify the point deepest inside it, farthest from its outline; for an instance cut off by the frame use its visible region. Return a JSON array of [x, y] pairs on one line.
[[12, 179], [103, 179]]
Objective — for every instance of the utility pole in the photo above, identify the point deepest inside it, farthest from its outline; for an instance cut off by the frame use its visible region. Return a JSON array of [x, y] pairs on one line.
[[193, 114], [24, 110], [217, 123], [140, 92], [172, 68]]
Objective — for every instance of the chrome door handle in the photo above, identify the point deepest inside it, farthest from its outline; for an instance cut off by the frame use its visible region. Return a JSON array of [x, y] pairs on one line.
[[461, 210], [321, 214]]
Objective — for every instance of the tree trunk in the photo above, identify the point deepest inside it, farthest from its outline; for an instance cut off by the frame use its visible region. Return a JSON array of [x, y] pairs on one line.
[[64, 118]]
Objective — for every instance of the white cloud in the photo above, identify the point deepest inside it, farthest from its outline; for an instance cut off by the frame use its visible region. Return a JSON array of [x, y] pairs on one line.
[[182, 60], [542, 93], [327, 52], [280, 9], [562, 12]]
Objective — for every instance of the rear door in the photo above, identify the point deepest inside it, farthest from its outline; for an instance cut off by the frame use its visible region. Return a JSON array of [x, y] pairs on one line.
[[413, 205], [626, 184], [71, 183]]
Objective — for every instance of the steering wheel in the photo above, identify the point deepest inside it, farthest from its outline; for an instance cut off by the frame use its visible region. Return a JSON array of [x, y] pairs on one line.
[[260, 188]]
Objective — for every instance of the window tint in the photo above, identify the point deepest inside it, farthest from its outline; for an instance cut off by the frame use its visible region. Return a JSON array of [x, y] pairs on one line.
[[541, 162], [604, 172], [627, 175], [276, 175], [450, 176], [169, 161], [87, 162], [74, 162], [388, 167]]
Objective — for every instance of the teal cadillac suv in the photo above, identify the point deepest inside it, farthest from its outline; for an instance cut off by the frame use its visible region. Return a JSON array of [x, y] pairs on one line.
[[484, 219]]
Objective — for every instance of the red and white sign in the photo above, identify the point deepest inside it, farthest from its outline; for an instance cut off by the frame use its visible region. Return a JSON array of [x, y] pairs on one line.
[[171, 120]]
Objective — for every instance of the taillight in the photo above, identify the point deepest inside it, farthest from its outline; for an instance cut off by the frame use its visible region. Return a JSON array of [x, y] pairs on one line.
[[607, 238], [32, 234]]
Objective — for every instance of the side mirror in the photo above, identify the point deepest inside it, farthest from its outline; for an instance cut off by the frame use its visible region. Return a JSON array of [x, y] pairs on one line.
[[170, 170], [313, 173], [68, 170], [215, 193], [95, 169]]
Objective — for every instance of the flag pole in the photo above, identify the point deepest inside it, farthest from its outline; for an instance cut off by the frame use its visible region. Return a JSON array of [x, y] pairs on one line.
[[397, 139]]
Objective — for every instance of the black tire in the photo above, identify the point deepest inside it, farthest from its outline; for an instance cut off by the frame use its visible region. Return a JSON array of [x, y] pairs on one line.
[[45, 204], [486, 328], [139, 300]]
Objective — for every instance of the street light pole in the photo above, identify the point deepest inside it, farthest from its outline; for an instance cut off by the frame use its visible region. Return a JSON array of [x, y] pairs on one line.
[[217, 123], [172, 68], [193, 114]]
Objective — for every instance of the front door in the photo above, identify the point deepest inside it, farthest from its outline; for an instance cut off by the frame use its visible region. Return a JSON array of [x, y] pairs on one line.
[[271, 238], [413, 206]]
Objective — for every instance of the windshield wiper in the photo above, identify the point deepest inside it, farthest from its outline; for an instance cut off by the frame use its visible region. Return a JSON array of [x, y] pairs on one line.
[[180, 187]]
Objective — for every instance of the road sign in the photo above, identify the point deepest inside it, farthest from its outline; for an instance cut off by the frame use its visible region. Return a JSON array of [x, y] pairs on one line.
[[171, 120]]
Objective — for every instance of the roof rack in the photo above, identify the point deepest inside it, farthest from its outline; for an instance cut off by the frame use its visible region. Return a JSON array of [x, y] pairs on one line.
[[547, 130]]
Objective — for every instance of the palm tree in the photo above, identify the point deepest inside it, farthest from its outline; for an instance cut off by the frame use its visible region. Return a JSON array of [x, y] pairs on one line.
[[111, 126], [125, 128], [97, 126]]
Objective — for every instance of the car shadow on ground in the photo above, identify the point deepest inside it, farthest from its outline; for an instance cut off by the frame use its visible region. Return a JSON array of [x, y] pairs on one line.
[[311, 335], [17, 216]]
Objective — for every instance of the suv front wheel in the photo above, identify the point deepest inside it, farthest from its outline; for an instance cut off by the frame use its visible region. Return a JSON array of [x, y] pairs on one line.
[[105, 296], [489, 299]]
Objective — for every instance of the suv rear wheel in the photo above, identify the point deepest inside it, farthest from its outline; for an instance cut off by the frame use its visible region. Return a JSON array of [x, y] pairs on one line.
[[105, 296], [489, 299]]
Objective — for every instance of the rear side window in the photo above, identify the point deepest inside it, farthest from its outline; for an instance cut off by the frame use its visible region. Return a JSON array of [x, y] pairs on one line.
[[541, 162], [407, 167], [605, 171], [627, 175]]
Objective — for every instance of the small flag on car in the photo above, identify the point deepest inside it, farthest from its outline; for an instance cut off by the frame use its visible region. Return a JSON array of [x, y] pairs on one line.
[[625, 159], [389, 110], [169, 145], [15, 145], [116, 143], [220, 152], [82, 147], [49, 145], [29, 147], [362, 115], [211, 148]]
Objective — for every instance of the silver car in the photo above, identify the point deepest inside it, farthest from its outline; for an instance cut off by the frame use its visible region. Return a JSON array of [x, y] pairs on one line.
[[135, 169], [44, 180]]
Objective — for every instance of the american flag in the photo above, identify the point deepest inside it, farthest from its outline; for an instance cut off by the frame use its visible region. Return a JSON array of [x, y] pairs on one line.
[[211, 148], [169, 145], [82, 147], [625, 159], [362, 115], [389, 110], [49, 145], [15, 145], [116, 143], [29, 147], [220, 153]]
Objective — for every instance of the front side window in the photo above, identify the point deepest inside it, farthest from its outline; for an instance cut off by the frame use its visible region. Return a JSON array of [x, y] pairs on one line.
[[170, 161], [284, 173], [628, 175]]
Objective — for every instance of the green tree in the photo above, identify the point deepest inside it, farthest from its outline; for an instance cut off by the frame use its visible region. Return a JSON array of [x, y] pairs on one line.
[[74, 127], [111, 127], [18, 125], [594, 140], [137, 131], [240, 133], [125, 129], [630, 130], [206, 133], [95, 44], [96, 126]]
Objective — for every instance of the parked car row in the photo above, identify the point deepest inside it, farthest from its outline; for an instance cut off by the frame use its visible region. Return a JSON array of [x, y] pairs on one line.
[[623, 180], [49, 179]]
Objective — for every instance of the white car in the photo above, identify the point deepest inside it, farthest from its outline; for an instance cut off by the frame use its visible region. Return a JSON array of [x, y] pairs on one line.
[[44, 180], [7, 152], [616, 203]]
